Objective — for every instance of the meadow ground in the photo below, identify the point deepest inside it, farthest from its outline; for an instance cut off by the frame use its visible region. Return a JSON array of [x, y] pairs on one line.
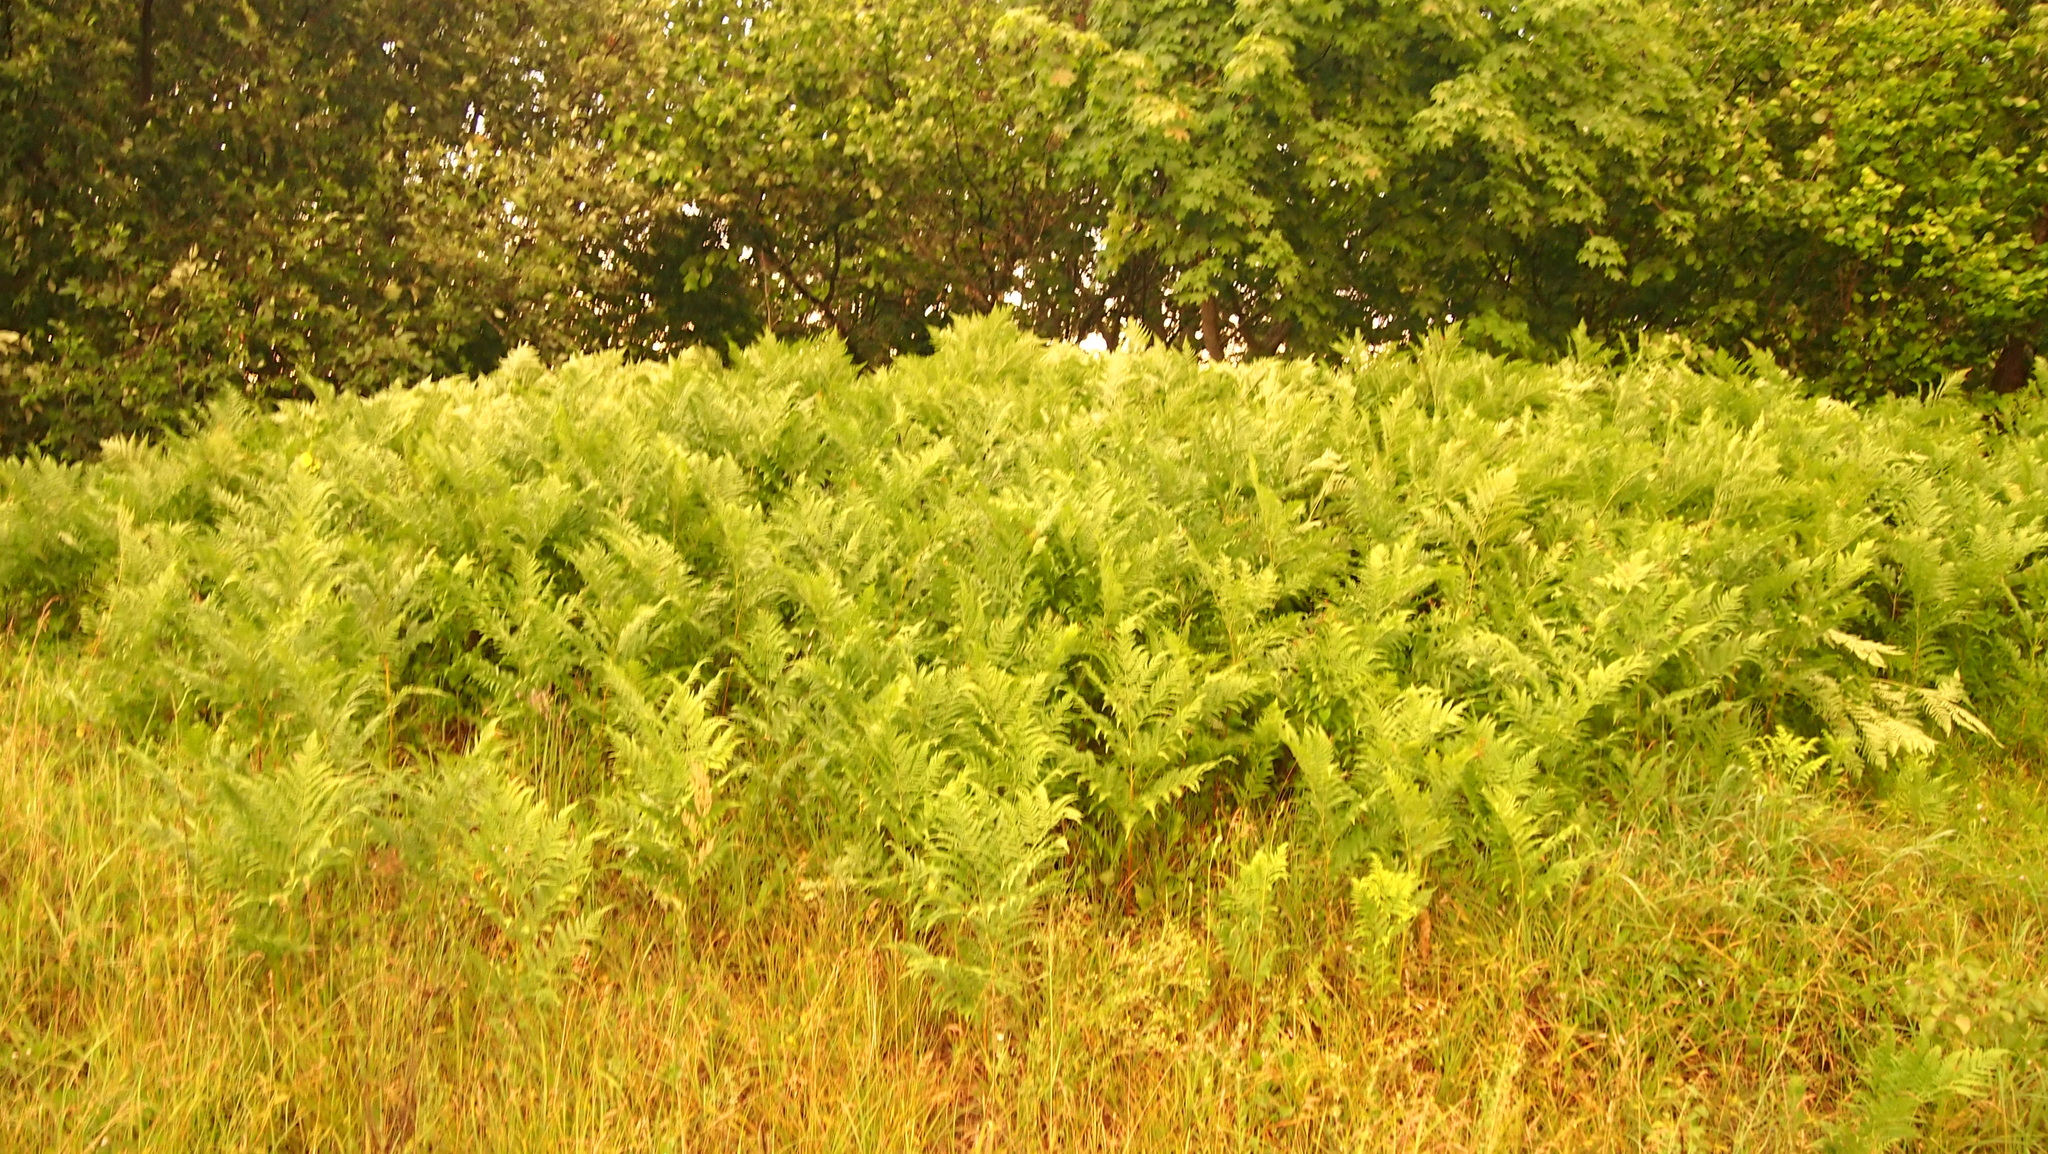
[[1718, 982]]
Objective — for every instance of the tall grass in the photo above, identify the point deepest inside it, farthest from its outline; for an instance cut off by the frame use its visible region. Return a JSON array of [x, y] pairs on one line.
[[1729, 974]]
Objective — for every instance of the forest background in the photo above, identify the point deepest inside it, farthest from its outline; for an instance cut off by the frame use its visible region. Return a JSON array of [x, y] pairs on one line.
[[280, 197]]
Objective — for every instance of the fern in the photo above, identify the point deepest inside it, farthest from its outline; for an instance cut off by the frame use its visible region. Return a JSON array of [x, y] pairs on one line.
[[1384, 903], [1793, 760], [267, 840], [1155, 703], [1247, 920], [672, 764], [977, 877], [1008, 614], [1530, 843], [520, 864], [1901, 1082], [1331, 797]]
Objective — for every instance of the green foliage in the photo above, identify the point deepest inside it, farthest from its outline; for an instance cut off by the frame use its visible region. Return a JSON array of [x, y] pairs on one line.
[[1155, 706], [672, 765], [870, 169], [1874, 197], [1857, 188], [1790, 759], [43, 557], [1384, 903], [280, 199], [519, 863], [969, 629], [1304, 171], [1904, 1080], [268, 839], [1965, 1004], [976, 877], [1246, 914], [276, 203], [1529, 843]]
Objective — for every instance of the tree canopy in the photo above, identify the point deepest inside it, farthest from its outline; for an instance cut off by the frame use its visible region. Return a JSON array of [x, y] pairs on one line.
[[281, 197]]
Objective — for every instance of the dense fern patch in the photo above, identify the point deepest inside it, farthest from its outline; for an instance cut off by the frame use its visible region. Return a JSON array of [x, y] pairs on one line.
[[1016, 618]]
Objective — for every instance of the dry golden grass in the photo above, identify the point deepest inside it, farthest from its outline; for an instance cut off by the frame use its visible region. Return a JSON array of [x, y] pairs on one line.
[[1711, 986]]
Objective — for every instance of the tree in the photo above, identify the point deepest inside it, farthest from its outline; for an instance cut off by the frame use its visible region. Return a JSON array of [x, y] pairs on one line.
[[280, 196], [875, 167], [1299, 170], [198, 198], [1876, 196]]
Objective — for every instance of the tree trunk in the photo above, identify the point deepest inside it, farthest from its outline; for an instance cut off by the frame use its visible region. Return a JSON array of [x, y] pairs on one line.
[[145, 60], [1212, 329], [2015, 365], [1265, 342], [2016, 360]]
